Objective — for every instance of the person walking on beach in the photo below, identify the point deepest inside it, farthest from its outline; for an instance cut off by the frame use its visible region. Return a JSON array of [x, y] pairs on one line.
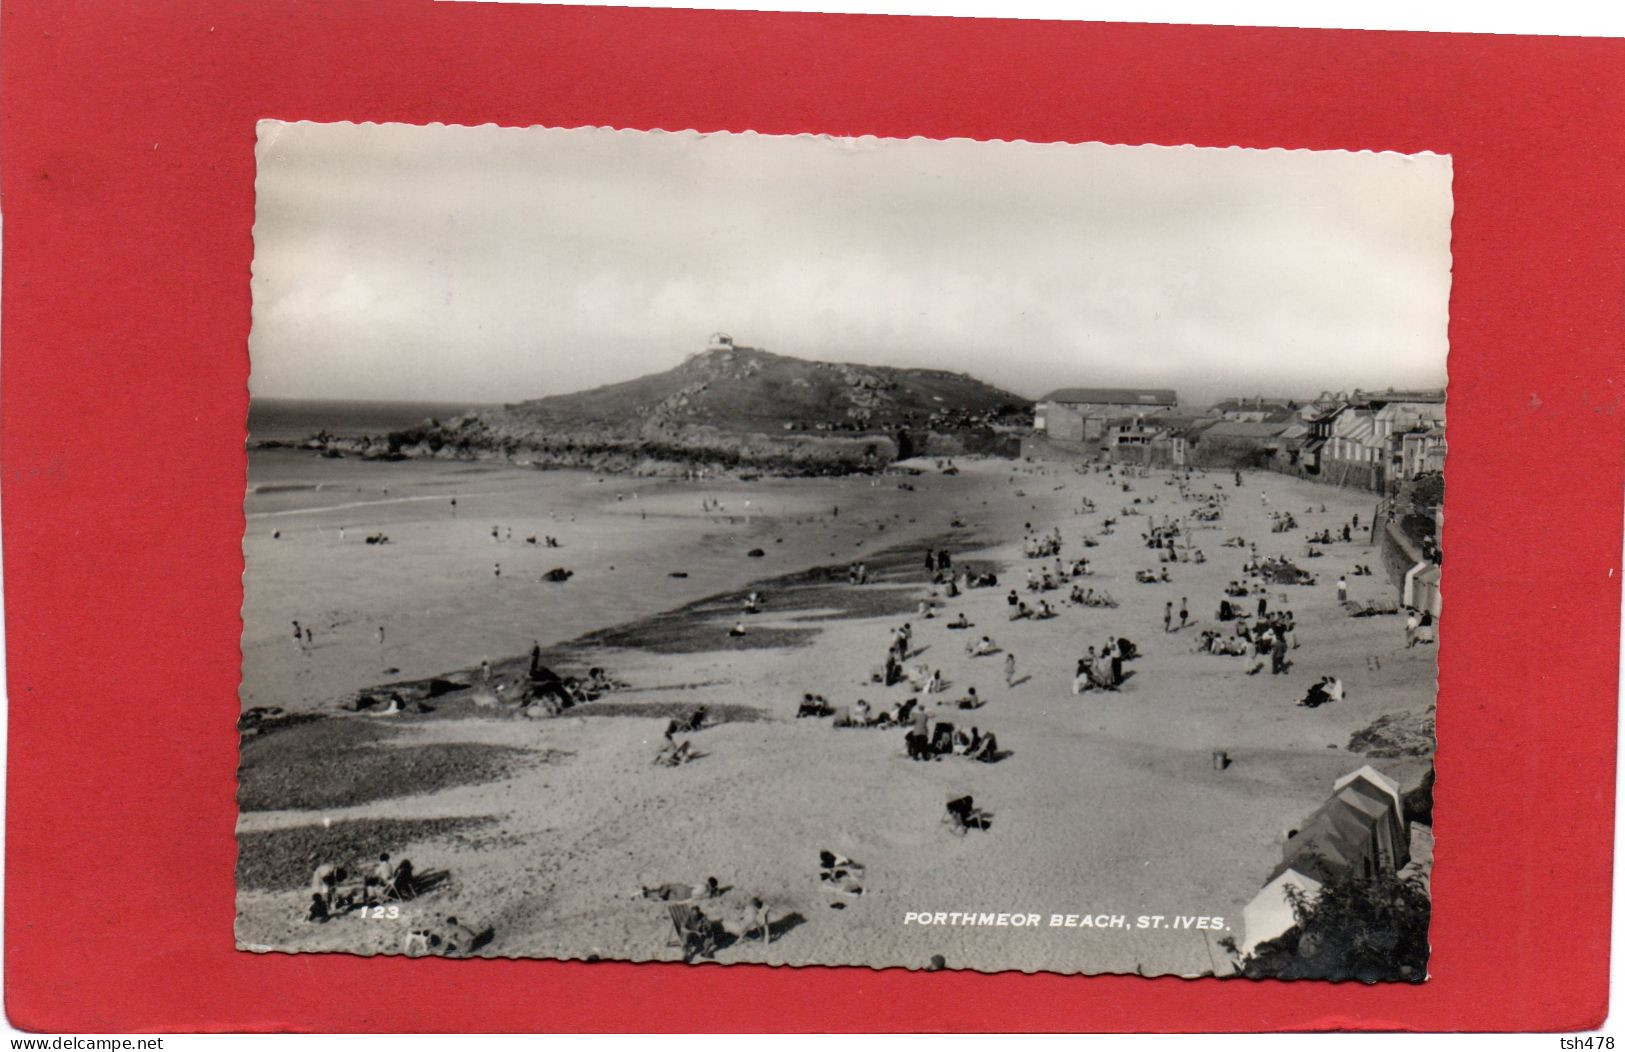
[[496, 534], [1184, 612], [298, 634], [1009, 670], [380, 635], [1168, 617], [1342, 589], [496, 569]]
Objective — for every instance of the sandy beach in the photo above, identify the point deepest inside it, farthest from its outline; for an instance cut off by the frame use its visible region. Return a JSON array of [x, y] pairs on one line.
[[1109, 804]]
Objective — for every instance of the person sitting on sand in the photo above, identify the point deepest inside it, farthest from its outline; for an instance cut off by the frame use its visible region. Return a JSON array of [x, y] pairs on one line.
[[1022, 613], [324, 892], [737, 630], [324, 885], [813, 705], [959, 622], [1100, 670], [860, 713], [377, 880], [753, 603], [1012, 599], [984, 647], [1081, 680], [985, 749], [971, 700]]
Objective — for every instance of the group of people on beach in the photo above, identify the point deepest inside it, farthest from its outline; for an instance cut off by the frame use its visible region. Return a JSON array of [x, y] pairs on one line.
[[336, 889]]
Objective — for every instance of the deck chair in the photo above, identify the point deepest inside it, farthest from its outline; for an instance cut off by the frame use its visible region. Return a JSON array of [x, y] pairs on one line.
[[693, 931], [401, 885]]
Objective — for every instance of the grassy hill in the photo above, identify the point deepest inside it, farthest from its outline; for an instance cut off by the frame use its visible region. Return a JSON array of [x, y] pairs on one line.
[[729, 410], [745, 390]]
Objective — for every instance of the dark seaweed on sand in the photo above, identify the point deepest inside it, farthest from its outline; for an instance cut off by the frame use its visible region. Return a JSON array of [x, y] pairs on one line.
[[821, 593], [340, 762], [714, 714], [283, 859]]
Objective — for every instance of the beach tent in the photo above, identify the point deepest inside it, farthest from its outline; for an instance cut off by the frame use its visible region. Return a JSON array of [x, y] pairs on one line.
[[1269, 914], [1369, 776], [1393, 837], [1338, 834], [1379, 813], [1424, 587]]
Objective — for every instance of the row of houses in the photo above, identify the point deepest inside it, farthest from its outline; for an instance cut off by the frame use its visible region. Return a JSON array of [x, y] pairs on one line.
[[1370, 439]]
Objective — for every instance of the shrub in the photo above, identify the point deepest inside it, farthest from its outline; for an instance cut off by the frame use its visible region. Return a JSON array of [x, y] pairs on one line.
[[1369, 930]]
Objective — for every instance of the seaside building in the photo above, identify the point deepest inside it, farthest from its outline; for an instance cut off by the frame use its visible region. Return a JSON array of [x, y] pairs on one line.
[[1365, 438], [1255, 410], [1082, 414]]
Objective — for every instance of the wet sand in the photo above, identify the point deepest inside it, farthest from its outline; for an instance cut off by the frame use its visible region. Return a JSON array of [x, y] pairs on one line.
[[434, 590], [1109, 804]]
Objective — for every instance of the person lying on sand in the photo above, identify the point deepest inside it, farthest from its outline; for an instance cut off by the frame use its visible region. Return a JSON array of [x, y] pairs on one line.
[[674, 754], [675, 892], [458, 938]]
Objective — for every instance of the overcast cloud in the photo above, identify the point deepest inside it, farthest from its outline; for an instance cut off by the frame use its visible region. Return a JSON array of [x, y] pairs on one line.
[[496, 264]]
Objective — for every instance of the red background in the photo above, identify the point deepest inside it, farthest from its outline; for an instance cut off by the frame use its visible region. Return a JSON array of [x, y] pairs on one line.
[[128, 136]]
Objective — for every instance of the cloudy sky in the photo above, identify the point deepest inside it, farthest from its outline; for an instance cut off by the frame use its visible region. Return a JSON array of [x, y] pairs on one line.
[[496, 264]]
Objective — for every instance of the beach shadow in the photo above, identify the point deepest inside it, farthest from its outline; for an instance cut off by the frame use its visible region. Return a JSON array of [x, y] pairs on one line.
[[1022, 679], [778, 927], [427, 880]]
